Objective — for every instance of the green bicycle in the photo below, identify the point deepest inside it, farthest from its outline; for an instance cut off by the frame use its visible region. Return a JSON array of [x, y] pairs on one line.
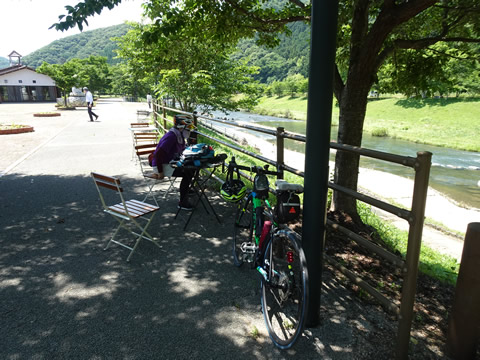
[[262, 239]]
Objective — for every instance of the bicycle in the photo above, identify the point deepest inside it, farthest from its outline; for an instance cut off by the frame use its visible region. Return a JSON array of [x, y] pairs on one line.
[[262, 239]]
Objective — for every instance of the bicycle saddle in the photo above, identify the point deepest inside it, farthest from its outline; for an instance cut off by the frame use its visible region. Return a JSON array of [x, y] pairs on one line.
[[283, 185]]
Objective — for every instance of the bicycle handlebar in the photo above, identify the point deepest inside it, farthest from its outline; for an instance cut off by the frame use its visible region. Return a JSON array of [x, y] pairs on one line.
[[256, 169]]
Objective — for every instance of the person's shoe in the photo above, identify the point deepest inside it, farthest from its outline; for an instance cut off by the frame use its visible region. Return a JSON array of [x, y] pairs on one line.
[[185, 205], [97, 117]]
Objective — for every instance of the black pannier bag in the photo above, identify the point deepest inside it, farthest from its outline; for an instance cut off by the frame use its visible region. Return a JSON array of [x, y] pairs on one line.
[[288, 206]]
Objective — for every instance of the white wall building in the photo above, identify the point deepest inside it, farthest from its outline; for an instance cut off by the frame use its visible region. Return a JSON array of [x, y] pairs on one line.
[[21, 83]]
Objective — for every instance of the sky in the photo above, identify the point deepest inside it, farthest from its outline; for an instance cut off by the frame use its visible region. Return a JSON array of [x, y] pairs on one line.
[[24, 23]]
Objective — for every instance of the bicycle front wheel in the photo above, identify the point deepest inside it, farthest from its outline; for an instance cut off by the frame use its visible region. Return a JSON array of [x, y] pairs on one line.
[[284, 289], [243, 245]]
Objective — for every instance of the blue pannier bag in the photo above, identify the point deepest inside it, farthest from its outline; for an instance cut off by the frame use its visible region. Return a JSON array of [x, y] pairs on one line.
[[196, 155]]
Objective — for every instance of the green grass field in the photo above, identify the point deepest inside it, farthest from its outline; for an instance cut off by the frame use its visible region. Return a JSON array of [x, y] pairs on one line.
[[452, 122]]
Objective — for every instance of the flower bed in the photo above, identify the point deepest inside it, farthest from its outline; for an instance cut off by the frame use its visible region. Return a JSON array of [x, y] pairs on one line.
[[46, 114], [15, 129]]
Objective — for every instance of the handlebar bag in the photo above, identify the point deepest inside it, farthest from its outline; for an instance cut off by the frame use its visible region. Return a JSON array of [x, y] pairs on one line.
[[261, 186]]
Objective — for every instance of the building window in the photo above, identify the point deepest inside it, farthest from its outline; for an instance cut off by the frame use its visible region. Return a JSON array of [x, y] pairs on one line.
[[34, 81], [20, 81]]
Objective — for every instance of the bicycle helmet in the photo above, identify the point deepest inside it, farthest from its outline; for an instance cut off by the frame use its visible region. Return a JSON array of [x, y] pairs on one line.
[[233, 190], [183, 121]]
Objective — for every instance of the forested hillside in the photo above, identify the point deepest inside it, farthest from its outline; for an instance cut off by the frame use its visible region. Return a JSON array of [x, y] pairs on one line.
[[290, 57], [94, 42], [3, 62]]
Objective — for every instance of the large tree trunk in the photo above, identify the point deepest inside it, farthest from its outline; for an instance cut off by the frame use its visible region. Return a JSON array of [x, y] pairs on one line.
[[353, 105]]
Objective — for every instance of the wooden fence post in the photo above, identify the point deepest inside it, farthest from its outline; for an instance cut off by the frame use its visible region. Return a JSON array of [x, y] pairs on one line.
[[464, 321], [280, 151]]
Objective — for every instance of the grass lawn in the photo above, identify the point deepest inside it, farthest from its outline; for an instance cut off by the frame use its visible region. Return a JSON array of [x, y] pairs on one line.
[[453, 122]]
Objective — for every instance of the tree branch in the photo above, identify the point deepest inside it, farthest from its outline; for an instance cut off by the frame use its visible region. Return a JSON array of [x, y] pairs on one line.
[[264, 21], [338, 84]]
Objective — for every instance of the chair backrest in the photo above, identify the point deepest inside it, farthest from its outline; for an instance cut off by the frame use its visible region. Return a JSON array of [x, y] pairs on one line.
[[107, 182], [143, 151], [144, 138], [139, 125]]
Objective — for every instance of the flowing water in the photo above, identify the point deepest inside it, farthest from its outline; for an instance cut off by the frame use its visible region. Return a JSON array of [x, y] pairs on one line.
[[455, 173]]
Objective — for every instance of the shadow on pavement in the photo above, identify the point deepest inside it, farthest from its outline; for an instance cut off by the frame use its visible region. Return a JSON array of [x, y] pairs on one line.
[[63, 297]]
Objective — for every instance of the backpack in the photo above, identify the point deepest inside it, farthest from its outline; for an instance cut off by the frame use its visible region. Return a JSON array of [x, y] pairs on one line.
[[196, 155]]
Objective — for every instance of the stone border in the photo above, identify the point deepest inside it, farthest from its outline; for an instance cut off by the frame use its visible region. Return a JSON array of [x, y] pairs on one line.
[[46, 114], [17, 130]]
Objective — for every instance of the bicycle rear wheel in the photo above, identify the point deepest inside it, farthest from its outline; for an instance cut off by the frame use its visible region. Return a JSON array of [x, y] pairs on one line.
[[243, 245], [284, 291]]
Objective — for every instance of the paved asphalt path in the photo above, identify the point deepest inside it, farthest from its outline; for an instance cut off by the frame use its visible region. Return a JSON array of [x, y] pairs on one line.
[[63, 297]]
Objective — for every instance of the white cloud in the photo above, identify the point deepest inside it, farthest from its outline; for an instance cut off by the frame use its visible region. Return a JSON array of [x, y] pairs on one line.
[[24, 23]]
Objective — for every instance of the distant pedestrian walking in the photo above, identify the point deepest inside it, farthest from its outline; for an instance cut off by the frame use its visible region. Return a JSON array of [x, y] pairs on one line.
[[89, 99], [149, 101]]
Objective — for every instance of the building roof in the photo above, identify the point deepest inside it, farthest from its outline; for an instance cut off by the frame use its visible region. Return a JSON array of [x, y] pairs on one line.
[[14, 53], [14, 68]]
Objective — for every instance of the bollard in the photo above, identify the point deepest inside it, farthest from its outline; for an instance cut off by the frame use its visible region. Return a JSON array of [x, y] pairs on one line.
[[464, 321]]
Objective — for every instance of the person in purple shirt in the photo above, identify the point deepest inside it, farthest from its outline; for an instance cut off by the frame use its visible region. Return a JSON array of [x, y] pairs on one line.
[[170, 147]]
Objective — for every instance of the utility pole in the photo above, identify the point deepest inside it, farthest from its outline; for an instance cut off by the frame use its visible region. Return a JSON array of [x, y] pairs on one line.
[[317, 149]]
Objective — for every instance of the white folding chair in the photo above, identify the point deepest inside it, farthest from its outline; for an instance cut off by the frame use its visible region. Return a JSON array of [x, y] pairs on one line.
[[142, 114], [143, 151], [127, 212]]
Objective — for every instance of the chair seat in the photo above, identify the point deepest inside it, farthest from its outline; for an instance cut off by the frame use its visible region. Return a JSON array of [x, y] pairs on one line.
[[135, 208]]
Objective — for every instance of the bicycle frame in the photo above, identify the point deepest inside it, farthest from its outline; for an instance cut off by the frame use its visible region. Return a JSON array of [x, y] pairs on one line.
[[275, 251]]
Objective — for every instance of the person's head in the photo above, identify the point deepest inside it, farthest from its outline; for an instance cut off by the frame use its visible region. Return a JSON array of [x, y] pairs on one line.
[[183, 122], [85, 89]]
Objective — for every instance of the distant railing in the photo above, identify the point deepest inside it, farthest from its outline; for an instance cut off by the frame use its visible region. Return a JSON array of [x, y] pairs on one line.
[[415, 216]]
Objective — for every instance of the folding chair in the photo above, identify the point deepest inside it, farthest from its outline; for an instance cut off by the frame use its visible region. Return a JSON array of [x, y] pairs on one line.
[[142, 114], [142, 132], [127, 211], [143, 151]]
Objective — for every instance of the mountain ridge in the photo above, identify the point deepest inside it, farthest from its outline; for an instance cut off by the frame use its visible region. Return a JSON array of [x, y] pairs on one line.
[[92, 42]]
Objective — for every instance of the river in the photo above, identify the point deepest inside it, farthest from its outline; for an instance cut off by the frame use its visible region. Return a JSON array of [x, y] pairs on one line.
[[455, 173]]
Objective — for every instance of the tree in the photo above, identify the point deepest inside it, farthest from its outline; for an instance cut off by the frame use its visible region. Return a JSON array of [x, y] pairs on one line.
[[369, 34], [278, 88], [66, 75], [196, 72], [97, 71]]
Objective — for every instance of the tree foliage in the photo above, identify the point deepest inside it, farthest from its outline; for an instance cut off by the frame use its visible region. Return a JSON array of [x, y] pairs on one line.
[[4, 62], [66, 75], [196, 72], [92, 72]]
